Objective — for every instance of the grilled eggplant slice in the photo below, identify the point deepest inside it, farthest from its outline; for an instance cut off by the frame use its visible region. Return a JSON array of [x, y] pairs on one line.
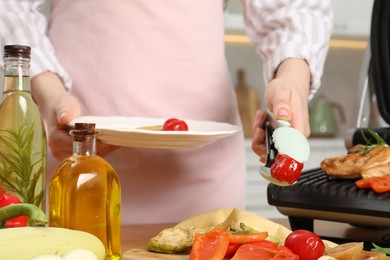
[[174, 240]]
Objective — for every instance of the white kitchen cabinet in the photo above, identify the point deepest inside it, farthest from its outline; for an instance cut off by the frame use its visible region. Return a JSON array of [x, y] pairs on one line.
[[256, 189], [351, 17]]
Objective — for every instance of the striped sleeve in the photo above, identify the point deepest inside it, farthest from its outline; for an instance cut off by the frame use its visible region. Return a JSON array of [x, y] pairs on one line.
[[282, 29], [23, 22]]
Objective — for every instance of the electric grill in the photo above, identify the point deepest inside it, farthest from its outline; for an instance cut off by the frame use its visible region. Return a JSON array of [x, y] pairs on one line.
[[315, 196]]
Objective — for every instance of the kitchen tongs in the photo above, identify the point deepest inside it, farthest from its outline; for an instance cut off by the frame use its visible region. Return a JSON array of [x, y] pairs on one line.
[[271, 124]]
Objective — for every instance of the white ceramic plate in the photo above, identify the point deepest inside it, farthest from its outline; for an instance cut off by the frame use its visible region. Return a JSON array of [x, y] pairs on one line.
[[124, 131]]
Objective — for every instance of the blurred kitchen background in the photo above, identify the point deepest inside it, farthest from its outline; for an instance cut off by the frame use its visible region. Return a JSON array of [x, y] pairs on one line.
[[339, 86], [342, 67], [334, 102]]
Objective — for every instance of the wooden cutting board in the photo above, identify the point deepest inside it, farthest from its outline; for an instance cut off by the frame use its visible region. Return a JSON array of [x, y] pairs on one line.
[[248, 101]]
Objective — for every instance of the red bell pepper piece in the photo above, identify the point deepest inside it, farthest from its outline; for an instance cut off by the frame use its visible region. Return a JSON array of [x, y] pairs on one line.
[[246, 238], [8, 199], [267, 244], [236, 240], [264, 250], [212, 245], [253, 251], [231, 250], [285, 255]]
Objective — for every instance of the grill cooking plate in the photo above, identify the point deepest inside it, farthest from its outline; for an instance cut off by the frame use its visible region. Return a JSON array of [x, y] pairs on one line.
[[315, 196]]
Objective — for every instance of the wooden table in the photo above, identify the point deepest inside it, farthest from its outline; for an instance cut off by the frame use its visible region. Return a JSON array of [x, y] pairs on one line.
[[138, 235], [134, 236]]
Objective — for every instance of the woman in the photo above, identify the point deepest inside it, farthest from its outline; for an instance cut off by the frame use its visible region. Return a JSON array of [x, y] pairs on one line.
[[151, 59]]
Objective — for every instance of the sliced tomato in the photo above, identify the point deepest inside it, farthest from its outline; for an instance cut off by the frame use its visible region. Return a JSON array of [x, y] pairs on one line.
[[246, 238], [382, 184], [212, 245], [364, 183], [378, 184]]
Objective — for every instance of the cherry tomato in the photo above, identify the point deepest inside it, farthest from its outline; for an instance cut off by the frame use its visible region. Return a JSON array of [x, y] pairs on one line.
[[286, 169], [306, 244], [174, 124]]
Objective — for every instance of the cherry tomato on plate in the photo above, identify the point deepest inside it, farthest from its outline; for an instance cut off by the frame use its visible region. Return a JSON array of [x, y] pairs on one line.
[[286, 169], [306, 244], [174, 124]]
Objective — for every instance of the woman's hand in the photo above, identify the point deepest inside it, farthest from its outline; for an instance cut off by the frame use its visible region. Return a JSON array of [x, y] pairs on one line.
[[258, 140], [286, 96], [58, 108], [67, 108]]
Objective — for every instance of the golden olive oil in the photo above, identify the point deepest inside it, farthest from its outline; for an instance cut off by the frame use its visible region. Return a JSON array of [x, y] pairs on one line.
[[84, 194], [22, 132]]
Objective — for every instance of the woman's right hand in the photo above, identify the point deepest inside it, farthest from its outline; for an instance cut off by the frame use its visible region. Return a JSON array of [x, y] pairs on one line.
[[286, 96]]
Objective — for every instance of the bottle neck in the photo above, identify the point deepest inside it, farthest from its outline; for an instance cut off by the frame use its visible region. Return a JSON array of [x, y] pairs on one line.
[[16, 74], [84, 145]]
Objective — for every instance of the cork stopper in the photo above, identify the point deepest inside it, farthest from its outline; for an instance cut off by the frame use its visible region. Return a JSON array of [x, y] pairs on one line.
[[17, 51], [87, 127], [82, 130]]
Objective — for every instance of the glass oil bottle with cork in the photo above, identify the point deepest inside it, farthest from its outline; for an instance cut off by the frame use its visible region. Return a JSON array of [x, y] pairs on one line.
[[84, 192], [22, 132]]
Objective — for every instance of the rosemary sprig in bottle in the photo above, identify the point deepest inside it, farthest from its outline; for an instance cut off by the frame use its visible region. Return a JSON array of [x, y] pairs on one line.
[[20, 169]]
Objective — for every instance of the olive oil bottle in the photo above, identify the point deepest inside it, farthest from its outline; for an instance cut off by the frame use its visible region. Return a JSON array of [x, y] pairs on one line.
[[84, 192], [22, 132]]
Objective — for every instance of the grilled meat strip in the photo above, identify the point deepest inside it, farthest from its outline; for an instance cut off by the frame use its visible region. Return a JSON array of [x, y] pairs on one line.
[[358, 164]]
